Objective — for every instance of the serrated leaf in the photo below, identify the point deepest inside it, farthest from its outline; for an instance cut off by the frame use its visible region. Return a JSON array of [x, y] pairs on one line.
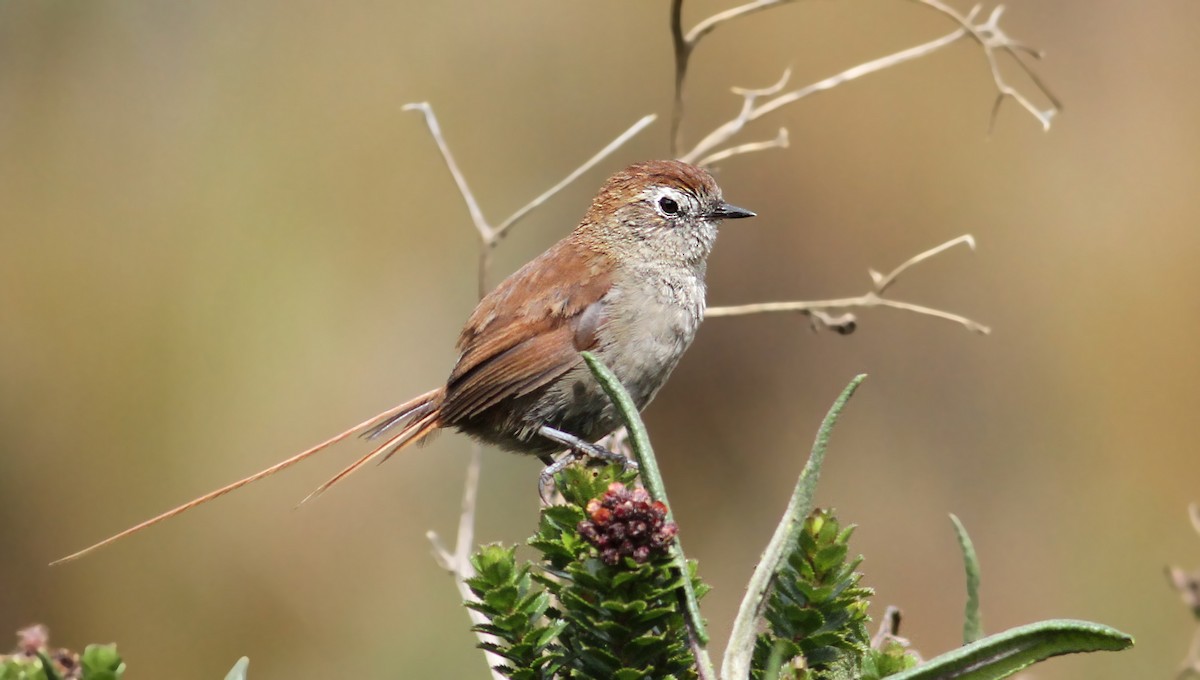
[[564, 516], [619, 607], [502, 598], [626, 577], [495, 563], [550, 633], [651, 615], [828, 558]]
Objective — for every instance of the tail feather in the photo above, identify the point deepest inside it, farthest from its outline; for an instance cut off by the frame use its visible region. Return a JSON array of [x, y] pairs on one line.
[[387, 418], [411, 410], [411, 434]]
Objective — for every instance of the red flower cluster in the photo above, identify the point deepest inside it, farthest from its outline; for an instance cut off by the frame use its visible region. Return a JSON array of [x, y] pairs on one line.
[[626, 523]]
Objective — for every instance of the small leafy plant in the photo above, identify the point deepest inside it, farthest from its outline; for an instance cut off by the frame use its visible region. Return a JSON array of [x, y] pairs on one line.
[[605, 569], [818, 611], [611, 595], [34, 659]]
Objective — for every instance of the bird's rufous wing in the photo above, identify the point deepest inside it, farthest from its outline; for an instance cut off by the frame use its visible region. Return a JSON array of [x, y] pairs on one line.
[[528, 331]]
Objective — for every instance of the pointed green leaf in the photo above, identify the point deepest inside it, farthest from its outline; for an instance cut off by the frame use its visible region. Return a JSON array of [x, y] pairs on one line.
[[972, 624], [1001, 655], [238, 672], [740, 650]]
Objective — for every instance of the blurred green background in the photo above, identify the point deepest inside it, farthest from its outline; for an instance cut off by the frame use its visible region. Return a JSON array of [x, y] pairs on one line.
[[221, 240]]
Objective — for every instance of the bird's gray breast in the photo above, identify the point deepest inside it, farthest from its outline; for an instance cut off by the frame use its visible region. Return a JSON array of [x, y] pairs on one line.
[[646, 322], [651, 317]]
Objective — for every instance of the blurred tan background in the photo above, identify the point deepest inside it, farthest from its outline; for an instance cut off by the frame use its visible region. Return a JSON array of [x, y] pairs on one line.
[[221, 240]]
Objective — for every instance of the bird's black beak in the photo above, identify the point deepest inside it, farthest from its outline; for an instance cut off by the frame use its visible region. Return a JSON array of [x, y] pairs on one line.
[[726, 211]]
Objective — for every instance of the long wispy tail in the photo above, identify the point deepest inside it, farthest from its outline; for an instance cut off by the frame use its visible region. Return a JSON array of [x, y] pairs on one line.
[[412, 433], [419, 407]]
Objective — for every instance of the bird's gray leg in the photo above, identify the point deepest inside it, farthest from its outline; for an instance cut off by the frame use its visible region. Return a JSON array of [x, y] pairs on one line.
[[576, 449]]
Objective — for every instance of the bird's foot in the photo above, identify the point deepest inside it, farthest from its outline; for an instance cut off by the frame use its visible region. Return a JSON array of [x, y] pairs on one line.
[[576, 449]]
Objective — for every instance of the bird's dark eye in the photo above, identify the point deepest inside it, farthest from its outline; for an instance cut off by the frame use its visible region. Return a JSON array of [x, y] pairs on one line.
[[668, 206]]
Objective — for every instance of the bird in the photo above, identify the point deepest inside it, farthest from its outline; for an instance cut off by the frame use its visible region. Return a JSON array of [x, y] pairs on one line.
[[627, 284]]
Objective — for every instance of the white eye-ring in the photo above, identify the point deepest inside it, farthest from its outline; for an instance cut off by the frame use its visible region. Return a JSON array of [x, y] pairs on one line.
[[670, 203]]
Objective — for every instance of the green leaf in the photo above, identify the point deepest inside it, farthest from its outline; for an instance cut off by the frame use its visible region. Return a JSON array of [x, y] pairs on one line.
[[620, 607], [742, 639], [1001, 655], [238, 672], [972, 624], [775, 661], [101, 662], [889, 660], [495, 563], [501, 598], [47, 670]]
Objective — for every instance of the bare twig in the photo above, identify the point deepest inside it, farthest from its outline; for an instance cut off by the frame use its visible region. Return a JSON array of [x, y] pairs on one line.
[[490, 236], [991, 38], [706, 26], [882, 282], [685, 44], [458, 563], [750, 112], [590, 163], [682, 52], [780, 142], [986, 33], [818, 309], [435, 131]]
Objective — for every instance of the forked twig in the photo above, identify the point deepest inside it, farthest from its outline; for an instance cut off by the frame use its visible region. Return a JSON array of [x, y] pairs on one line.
[[847, 322], [750, 112], [780, 142], [685, 44], [991, 38], [987, 33], [590, 163], [435, 131], [490, 236], [458, 563]]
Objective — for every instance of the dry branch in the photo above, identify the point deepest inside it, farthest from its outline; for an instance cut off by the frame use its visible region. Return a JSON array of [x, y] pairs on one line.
[[685, 44], [490, 236], [458, 563], [819, 310], [986, 33]]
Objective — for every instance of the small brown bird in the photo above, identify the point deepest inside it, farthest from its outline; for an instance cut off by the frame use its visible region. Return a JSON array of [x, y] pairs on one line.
[[627, 285]]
